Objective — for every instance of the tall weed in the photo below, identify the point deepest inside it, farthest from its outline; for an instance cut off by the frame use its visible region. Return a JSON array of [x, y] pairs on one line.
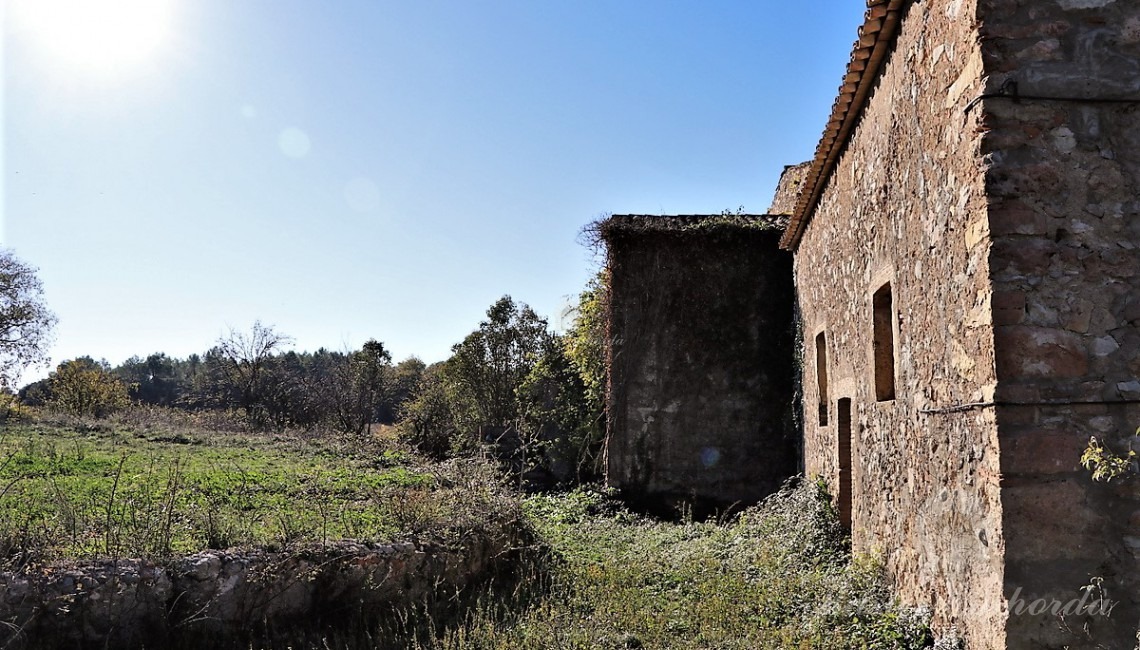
[[778, 576]]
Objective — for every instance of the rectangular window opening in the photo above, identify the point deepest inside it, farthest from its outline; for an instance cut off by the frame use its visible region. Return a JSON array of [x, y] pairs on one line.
[[821, 375], [884, 344]]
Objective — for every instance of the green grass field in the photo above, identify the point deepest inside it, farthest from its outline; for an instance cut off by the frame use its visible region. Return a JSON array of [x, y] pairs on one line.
[[83, 492]]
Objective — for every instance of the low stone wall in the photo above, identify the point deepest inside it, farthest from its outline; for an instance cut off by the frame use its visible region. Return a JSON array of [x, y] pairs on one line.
[[219, 594]]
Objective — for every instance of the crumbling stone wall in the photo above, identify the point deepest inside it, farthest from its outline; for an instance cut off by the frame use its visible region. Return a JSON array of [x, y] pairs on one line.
[[216, 598], [700, 362], [906, 205], [1062, 172]]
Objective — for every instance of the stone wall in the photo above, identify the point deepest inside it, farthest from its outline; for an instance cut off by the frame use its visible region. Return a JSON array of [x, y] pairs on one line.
[[788, 189], [219, 598], [1062, 175], [700, 361], [906, 206]]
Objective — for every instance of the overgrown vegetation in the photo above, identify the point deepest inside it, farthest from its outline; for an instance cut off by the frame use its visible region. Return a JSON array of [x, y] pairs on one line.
[[529, 396], [86, 387], [778, 576], [512, 387]]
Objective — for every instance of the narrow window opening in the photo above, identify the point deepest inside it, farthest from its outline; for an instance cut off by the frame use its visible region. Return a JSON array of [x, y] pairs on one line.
[[843, 414], [821, 375], [884, 344]]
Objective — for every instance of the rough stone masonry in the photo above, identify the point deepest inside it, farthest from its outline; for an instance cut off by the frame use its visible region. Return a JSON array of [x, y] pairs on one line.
[[967, 245]]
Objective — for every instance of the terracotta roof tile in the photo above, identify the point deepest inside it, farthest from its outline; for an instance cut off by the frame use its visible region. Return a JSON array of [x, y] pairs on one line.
[[876, 36]]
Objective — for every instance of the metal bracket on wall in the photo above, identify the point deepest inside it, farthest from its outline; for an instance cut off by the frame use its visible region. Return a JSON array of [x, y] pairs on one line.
[[971, 406], [1010, 90]]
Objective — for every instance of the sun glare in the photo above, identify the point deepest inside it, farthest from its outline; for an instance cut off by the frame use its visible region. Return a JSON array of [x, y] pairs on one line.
[[100, 35]]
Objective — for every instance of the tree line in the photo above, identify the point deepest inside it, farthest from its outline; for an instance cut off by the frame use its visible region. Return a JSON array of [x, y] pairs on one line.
[[252, 373], [531, 396]]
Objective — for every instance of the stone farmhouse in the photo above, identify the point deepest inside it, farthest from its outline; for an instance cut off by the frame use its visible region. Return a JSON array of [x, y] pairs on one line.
[[966, 247]]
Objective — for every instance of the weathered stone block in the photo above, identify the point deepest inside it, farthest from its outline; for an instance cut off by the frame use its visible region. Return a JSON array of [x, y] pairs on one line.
[[1042, 452], [1009, 307], [1048, 520], [1038, 352], [1016, 218], [1024, 255]]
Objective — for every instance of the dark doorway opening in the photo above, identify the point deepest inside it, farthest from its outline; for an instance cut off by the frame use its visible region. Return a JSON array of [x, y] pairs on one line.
[[843, 415]]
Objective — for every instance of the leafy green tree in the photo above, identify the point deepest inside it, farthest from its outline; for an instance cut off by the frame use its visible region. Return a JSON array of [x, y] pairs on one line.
[[428, 422], [37, 393], [209, 385], [402, 383], [489, 364], [557, 427], [153, 380], [471, 397], [586, 339], [25, 322], [286, 396], [536, 395], [86, 387], [585, 344]]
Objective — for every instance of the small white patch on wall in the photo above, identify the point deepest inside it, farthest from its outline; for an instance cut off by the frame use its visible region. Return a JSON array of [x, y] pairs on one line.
[[1084, 4]]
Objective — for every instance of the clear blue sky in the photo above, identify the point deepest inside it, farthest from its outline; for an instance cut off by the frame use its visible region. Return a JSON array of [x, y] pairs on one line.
[[355, 169]]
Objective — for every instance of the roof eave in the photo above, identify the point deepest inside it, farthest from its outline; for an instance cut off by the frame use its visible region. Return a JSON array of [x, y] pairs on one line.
[[876, 37]]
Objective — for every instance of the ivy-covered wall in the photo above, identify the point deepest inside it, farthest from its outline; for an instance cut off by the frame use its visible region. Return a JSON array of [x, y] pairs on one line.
[[700, 357]]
